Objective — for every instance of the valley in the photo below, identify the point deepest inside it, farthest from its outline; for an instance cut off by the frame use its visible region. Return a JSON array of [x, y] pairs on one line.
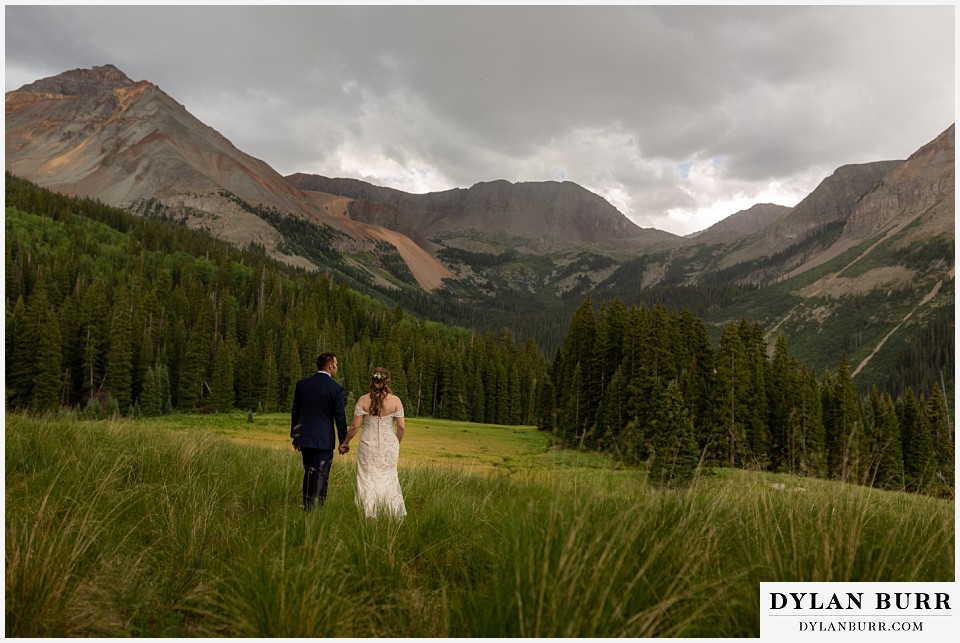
[[519, 256]]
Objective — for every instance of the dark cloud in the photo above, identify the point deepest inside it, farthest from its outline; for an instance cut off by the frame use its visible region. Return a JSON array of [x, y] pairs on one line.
[[674, 114]]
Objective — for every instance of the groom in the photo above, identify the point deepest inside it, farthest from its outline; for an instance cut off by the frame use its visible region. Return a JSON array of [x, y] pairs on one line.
[[318, 403]]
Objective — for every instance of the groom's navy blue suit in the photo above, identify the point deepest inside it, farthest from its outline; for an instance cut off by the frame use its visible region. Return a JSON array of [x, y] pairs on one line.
[[318, 404]]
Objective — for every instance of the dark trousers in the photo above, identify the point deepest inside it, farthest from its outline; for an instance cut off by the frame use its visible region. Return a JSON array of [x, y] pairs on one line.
[[316, 472]]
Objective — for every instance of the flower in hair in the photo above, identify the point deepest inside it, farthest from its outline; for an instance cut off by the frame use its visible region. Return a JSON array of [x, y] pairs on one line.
[[379, 376]]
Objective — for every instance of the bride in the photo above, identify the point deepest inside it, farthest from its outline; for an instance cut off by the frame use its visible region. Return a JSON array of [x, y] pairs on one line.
[[378, 487]]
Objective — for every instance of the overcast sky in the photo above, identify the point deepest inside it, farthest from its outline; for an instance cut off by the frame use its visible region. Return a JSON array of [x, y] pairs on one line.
[[677, 115]]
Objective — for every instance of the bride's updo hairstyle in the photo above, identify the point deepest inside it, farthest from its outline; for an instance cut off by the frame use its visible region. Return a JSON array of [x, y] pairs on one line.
[[379, 389]]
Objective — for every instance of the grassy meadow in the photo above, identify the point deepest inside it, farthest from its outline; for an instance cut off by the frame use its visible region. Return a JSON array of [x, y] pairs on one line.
[[189, 526]]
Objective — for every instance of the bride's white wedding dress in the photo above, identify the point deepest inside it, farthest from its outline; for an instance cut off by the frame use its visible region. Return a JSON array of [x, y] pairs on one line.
[[378, 487]]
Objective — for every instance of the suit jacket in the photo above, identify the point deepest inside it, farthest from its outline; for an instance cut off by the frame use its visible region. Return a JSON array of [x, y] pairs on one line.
[[318, 404]]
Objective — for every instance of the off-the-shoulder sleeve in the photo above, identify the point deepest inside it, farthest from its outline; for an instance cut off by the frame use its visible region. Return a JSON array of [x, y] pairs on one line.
[[358, 410], [398, 413]]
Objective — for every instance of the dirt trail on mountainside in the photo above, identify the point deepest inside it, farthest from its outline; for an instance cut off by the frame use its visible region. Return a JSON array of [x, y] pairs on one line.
[[923, 302], [823, 286]]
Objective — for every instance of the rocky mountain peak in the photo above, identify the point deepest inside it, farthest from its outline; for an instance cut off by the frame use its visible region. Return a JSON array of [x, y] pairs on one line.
[[924, 183], [939, 150], [78, 82]]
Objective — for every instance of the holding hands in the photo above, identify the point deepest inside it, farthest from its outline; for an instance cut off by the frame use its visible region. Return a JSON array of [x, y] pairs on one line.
[[344, 447]]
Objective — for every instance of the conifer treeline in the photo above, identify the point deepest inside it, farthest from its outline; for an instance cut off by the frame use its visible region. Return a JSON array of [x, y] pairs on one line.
[[106, 311], [648, 385]]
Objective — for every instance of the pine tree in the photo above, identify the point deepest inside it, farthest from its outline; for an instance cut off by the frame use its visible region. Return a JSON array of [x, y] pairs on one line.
[[697, 369], [675, 456], [21, 345], [145, 357], [94, 326], [491, 386], [271, 380], [782, 401], [657, 366], [47, 385], [806, 432], [871, 435], [222, 392], [285, 366], [546, 410], [919, 461], [151, 402], [26, 360], [728, 438], [889, 452], [248, 376], [611, 330], [164, 385], [454, 390], [294, 374], [754, 394], [638, 320], [579, 360], [515, 407], [530, 396], [13, 277], [612, 414], [662, 348], [478, 400], [70, 346], [938, 419], [120, 349], [196, 360], [570, 412], [530, 363], [843, 420], [503, 394]]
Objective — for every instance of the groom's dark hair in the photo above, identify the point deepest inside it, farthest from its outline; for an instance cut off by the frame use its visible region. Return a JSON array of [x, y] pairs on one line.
[[324, 360]]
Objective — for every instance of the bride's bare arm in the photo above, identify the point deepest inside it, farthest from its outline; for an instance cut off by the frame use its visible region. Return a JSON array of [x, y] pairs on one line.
[[401, 423], [352, 431], [354, 428]]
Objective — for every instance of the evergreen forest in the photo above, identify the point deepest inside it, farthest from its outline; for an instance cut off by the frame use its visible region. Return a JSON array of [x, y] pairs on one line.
[[111, 313], [649, 386]]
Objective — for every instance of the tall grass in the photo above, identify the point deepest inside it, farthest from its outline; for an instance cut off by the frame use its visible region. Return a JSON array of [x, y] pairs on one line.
[[126, 529]]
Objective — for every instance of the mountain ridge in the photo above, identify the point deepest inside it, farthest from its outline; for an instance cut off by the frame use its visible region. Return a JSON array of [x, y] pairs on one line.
[[829, 204], [510, 254], [533, 210], [744, 222], [79, 81]]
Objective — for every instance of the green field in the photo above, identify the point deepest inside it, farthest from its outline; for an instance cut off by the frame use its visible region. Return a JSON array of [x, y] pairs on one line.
[[188, 526], [477, 448]]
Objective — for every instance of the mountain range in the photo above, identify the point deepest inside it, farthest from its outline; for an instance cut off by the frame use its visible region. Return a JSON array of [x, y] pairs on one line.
[[876, 237]]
